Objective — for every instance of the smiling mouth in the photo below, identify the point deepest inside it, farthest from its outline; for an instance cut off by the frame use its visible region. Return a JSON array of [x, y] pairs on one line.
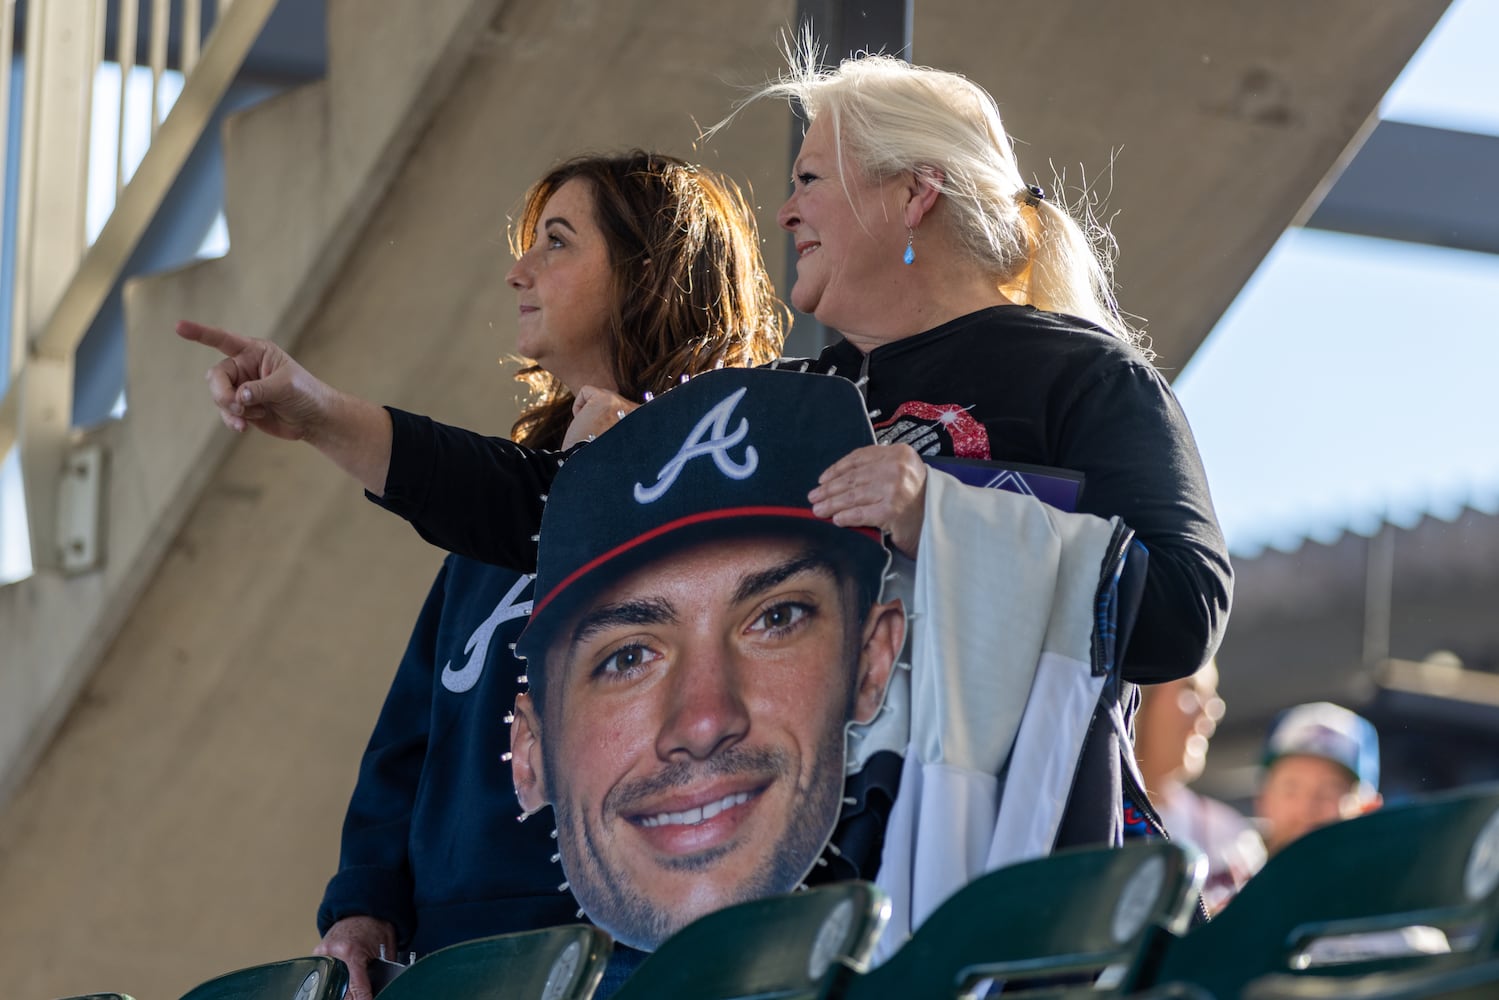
[[697, 816], [802, 249]]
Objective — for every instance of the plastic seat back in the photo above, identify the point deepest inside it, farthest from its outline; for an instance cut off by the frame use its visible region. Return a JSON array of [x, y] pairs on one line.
[[1476, 981], [1071, 917], [311, 978], [796, 945], [1365, 895], [556, 963]]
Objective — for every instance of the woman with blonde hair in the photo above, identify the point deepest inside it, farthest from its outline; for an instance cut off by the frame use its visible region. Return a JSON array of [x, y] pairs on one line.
[[978, 317]]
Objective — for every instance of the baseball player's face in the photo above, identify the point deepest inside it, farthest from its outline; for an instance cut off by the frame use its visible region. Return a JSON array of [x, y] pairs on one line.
[[693, 744]]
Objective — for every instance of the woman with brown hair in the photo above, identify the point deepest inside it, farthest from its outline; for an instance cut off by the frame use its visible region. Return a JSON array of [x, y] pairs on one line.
[[631, 271]]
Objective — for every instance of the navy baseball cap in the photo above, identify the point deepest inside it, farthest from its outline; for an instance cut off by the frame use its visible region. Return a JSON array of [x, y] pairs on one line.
[[1322, 729], [728, 453]]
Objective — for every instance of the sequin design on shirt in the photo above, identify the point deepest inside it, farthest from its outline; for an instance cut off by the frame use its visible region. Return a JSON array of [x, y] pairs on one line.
[[927, 426]]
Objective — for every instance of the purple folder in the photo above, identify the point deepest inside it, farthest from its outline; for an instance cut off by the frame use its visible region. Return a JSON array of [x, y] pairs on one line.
[[1060, 488]]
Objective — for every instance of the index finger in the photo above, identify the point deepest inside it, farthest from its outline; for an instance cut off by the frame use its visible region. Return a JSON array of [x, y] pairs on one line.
[[228, 344]]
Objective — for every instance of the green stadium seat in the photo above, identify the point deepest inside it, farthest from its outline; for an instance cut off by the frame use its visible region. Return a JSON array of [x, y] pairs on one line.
[[1477, 981], [796, 945], [1074, 916], [556, 963], [1346, 901], [309, 978]]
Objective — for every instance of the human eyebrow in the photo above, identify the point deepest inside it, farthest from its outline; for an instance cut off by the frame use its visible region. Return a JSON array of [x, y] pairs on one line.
[[754, 584], [559, 220], [645, 611]]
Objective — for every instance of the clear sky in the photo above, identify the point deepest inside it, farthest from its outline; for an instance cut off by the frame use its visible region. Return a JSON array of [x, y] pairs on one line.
[[1355, 379]]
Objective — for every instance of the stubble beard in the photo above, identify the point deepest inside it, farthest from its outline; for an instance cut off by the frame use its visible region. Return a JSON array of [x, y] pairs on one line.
[[612, 901]]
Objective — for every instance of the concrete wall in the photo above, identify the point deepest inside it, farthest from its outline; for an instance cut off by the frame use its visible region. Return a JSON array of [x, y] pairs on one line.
[[185, 818]]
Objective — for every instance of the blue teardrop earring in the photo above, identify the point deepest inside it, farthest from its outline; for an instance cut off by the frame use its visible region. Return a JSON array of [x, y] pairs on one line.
[[910, 255]]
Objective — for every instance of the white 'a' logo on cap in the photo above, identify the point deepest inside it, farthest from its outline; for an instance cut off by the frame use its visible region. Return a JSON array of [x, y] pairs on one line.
[[716, 422]]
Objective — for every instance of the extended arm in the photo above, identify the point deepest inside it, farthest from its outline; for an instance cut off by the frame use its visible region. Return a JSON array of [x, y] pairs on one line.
[[257, 384], [477, 496]]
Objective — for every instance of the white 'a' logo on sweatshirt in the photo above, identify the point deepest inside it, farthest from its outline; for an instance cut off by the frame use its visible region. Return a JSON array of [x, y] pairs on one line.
[[477, 647]]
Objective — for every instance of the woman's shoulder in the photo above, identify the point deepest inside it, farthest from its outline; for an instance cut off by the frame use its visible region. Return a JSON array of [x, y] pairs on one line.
[[1065, 332], [1046, 344]]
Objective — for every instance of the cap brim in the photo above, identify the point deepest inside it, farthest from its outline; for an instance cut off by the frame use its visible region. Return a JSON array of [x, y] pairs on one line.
[[551, 610]]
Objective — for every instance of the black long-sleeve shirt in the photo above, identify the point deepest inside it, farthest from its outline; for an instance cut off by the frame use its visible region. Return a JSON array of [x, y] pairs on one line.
[[1009, 383]]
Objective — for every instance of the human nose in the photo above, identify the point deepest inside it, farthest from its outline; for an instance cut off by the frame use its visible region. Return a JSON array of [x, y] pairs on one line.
[[519, 275], [788, 218], [706, 711]]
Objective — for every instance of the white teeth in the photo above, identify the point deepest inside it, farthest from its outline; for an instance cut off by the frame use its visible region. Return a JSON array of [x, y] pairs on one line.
[[692, 817]]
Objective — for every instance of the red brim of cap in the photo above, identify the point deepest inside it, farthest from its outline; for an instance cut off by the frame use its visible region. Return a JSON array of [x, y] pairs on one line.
[[801, 515], [797, 513]]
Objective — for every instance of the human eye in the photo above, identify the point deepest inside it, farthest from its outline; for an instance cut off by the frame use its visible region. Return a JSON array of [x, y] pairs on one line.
[[781, 618], [554, 240], [625, 662], [804, 178]]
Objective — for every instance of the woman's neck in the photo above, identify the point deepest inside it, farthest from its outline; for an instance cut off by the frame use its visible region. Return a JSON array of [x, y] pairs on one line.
[[599, 374], [927, 309]]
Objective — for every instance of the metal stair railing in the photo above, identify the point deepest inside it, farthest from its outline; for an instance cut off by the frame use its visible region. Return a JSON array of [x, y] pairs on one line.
[[59, 286]]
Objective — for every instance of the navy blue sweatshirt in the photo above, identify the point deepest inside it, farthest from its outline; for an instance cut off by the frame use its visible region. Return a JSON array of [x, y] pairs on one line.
[[430, 840]]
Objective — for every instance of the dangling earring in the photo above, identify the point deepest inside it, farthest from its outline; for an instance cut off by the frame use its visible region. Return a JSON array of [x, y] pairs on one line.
[[910, 255]]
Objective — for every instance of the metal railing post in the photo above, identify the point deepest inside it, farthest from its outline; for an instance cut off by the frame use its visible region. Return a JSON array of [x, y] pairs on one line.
[[13, 358], [61, 59], [161, 23], [125, 41]]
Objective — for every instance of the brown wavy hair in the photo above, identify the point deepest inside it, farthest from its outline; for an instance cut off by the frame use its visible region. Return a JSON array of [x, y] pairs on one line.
[[691, 291]]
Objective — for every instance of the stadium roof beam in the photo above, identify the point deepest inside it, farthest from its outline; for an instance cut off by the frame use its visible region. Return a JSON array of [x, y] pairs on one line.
[[1419, 184]]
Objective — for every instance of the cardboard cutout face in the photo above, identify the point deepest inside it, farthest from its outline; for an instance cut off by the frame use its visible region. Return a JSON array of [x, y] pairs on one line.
[[692, 738], [699, 645]]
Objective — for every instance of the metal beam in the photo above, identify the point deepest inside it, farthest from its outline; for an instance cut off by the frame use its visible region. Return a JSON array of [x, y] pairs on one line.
[[1419, 184]]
